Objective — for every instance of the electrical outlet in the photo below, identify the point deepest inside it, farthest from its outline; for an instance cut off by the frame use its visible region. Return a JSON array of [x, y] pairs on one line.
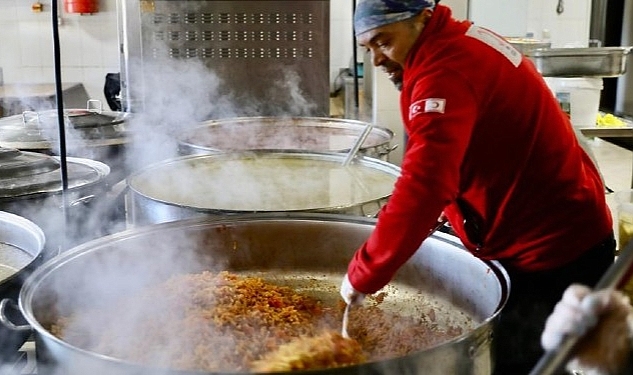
[[37, 7]]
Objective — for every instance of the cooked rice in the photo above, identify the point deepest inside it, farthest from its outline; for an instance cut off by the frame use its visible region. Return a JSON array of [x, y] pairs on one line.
[[326, 350], [228, 322]]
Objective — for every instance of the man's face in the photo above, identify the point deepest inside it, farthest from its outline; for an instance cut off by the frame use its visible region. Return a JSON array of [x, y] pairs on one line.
[[390, 44], [394, 72]]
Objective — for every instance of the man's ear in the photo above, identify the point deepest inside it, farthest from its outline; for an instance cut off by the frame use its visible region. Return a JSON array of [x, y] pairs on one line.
[[420, 20]]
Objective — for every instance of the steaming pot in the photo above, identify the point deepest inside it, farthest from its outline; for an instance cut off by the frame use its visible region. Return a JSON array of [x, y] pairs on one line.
[[31, 186], [99, 272], [262, 181], [320, 134]]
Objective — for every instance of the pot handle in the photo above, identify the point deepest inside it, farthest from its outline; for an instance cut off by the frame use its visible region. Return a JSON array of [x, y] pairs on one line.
[[387, 152], [83, 200], [5, 321]]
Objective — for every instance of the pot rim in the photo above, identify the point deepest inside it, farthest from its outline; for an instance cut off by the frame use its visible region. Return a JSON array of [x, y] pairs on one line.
[[187, 145], [318, 156], [103, 170], [34, 280], [33, 245]]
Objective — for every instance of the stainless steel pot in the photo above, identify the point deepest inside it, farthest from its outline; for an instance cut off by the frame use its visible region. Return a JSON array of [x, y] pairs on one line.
[[21, 245], [247, 182], [31, 186], [307, 134], [91, 133], [441, 276]]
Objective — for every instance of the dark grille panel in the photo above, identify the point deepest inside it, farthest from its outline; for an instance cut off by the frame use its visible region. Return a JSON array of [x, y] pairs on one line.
[[248, 44]]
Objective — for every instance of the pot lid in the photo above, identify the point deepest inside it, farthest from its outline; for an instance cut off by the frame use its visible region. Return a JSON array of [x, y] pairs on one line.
[[84, 127], [24, 174]]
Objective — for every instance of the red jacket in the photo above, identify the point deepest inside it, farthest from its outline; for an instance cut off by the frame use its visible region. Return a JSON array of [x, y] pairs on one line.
[[489, 144]]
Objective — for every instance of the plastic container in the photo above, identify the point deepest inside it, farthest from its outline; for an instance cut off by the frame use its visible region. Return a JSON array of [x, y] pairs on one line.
[[579, 97], [624, 209]]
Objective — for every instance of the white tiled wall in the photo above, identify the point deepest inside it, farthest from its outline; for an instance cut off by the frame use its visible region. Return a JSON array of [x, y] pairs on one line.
[[570, 28], [341, 38], [88, 45]]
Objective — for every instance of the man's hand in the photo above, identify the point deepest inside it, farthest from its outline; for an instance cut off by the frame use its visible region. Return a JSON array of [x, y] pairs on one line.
[[350, 295]]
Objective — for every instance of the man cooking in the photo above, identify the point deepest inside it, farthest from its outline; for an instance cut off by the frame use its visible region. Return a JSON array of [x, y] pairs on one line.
[[490, 149]]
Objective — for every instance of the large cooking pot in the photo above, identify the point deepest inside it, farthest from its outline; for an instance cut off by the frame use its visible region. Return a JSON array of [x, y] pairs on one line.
[[31, 186], [248, 182], [21, 245], [307, 250], [319, 134], [90, 133]]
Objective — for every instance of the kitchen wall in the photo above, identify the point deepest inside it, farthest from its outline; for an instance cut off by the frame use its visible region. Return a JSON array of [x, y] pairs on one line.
[[89, 42], [88, 45], [536, 17]]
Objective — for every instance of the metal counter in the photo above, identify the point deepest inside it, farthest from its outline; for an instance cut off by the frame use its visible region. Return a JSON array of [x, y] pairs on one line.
[[621, 136]]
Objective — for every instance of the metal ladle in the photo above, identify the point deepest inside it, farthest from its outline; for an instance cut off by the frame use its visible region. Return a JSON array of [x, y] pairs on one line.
[[359, 141], [345, 321], [348, 159], [344, 333], [552, 362]]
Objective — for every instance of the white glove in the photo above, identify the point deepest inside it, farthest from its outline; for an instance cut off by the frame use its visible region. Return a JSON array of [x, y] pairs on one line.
[[350, 295], [568, 317], [603, 318]]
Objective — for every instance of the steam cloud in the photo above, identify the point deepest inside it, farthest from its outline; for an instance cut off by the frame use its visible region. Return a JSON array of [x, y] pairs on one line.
[[179, 95]]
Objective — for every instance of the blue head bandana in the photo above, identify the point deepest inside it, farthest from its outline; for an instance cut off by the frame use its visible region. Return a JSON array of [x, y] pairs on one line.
[[371, 14]]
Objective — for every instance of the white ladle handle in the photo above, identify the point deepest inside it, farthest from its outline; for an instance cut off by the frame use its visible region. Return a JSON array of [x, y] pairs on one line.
[[361, 139], [345, 321]]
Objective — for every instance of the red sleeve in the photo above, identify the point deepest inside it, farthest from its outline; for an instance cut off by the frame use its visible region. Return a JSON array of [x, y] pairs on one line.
[[428, 182]]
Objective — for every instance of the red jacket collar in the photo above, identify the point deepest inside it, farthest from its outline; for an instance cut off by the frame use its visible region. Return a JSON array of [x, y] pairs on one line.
[[441, 15]]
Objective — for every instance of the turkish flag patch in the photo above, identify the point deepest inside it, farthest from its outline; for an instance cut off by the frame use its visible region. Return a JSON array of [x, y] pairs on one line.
[[427, 105]]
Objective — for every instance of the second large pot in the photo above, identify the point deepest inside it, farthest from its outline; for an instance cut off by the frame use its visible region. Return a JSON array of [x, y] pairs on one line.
[[248, 182], [441, 279], [318, 134]]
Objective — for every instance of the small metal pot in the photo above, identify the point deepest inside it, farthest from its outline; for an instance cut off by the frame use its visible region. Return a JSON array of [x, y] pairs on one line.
[[318, 134], [31, 186], [249, 182], [441, 276]]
